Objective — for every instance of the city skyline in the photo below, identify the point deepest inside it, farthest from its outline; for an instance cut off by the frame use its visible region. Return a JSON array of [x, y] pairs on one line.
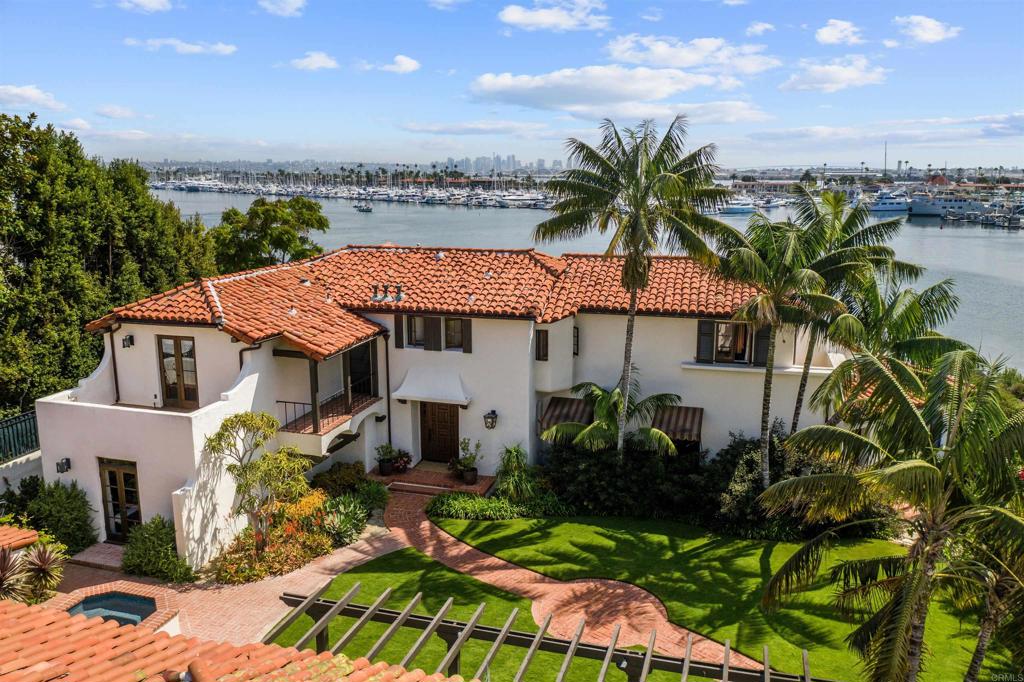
[[770, 83]]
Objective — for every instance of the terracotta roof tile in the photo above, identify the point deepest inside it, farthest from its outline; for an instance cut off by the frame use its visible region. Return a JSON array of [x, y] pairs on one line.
[[314, 304], [16, 538], [39, 644]]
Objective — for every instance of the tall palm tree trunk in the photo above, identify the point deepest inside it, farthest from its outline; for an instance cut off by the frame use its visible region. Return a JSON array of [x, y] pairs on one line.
[[627, 371], [915, 645], [766, 408], [988, 626], [812, 340]]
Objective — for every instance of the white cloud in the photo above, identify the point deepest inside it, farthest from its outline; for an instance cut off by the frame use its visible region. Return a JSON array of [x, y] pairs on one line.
[[712, 53], [734, 111], [652, 14], [283, 8], [401, 64], [589, 85], [444, 4], [890, 43], [557, 15], [115, 111], [759, 28], [922, 29], [28, 97], [181, 46], [487, 127], [76, 124], [314, 61], [838, 32], [851, 71], [145, 6], [734, 3]]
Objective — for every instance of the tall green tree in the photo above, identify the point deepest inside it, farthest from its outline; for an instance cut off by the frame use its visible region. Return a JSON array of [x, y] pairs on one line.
[[773, 258], [644, 194], [269, 232], [940, 450], [843, 246], [77, 237]]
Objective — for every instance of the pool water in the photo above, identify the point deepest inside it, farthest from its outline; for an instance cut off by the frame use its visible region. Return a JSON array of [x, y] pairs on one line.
[[126, 609]]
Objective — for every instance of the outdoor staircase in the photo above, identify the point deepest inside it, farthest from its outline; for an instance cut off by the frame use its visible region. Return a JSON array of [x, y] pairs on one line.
[[430, 482]]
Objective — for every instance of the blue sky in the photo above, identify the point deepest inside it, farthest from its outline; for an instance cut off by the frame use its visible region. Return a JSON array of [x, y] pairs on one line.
[[771, 82]]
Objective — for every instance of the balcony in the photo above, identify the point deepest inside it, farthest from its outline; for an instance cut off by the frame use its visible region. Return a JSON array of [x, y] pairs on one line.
[[334, 411]]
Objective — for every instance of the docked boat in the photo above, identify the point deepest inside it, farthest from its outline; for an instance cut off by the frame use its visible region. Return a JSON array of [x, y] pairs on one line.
[[941, 203], [886, 202], [363, 208], [739, 205]]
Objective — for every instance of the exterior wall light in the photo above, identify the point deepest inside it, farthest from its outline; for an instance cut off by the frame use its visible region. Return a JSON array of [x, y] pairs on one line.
[[490, 420], [128, 341], [64, 465]]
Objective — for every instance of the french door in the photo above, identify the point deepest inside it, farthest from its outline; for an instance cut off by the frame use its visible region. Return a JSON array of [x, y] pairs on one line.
[[178, 379], [121, 509]]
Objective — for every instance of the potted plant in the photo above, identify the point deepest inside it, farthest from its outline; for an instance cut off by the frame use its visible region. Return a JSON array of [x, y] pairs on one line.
[[402, 461], [468, 460], [386, 456]]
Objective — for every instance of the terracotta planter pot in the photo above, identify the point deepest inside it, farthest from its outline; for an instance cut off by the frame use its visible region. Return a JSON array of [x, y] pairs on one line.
[[386, 467], [469, 476]]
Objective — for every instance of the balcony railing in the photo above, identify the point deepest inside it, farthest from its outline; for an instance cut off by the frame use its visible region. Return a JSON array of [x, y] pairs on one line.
[[297, 417], [18, 436]]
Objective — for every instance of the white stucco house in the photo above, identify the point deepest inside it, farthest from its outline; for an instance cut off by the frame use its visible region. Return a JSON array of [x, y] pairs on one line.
[[408, 345]]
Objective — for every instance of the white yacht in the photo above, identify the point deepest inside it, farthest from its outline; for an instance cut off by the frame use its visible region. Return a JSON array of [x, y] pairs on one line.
[[740, 204], [889, 202], [922, 203]]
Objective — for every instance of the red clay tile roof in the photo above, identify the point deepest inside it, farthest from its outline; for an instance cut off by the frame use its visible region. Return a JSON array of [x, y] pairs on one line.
[[39, 644], [314, 303], [16, 538], [677, 286]]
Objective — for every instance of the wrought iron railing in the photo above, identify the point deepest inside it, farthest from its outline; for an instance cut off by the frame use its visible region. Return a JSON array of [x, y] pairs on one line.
[[636, 664], [18, 435], [298, 416]]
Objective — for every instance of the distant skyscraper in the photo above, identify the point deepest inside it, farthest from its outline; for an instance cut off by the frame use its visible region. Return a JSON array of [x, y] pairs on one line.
[[540, 164], [556, 164]]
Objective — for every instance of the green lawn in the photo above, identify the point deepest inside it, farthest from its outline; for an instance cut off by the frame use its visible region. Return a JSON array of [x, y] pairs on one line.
[[711, 585]]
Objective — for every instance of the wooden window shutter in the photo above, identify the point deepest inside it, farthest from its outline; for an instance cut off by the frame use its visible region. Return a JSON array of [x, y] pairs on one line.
[[761, 339], [433, 333], [467, 335], [705, 340], [399, 331], [541, 344]]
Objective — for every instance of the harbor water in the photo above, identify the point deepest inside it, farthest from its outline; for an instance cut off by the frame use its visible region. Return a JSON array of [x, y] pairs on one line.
[[987, 263]]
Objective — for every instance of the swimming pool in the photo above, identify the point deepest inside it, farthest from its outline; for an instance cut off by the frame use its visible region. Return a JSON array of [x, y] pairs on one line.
[[126, 609]]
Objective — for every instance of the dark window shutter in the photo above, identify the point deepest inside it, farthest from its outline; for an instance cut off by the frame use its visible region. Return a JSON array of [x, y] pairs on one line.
[[705, 340], [541, 344], [433, 333], [575, 340], [761, 339], [399, 331], [467, 335]]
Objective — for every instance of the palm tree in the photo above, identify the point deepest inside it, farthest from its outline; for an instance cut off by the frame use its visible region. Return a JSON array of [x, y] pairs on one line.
[[773, 258], [894, 324], [939, 451], [845, 243], [604, 432], [648, 194]]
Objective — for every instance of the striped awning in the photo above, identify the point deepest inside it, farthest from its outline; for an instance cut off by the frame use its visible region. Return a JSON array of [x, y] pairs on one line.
[[561, 410], [680, 423]]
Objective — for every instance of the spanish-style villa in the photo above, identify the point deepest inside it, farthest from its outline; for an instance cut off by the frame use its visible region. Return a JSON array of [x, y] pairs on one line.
[[415, 346]]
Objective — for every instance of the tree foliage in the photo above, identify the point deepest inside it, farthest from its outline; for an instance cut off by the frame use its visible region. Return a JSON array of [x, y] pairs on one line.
[[77, 237], [270, 232]]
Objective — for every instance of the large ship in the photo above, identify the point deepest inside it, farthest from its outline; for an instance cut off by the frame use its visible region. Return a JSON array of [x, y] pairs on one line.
[[922, 203], [889, 202]]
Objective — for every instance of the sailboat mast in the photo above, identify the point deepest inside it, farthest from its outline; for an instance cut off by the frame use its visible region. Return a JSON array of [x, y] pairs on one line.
[[885, 160]]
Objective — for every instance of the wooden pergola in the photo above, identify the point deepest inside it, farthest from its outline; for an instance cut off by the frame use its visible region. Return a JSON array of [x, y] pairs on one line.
[[636, 665]]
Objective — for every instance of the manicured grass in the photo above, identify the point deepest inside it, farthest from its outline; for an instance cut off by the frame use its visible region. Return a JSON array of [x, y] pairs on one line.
[[713, 584]]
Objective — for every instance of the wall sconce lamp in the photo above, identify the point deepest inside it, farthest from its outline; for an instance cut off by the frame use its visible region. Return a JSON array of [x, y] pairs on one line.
[[128, 341], [490, 420], [64, 465], [379, 418]]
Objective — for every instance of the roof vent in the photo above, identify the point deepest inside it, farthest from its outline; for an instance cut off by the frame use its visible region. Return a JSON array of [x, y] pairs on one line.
[[488, 274], [376, 293], [387, 296], [293, 311], [439, 255], [398, 293], [470, 298], [304, 281]]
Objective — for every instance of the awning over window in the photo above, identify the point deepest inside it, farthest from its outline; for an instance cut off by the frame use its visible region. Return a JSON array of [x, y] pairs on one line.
[[432, 385], [561, 410], [680, 423]]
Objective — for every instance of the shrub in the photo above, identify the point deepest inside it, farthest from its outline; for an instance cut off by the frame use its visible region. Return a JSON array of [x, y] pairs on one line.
[[344, 519], [341, 478], [32, 576], [64, 511], [373, 495], [473, 507], [516, 479], [151, 551], [307, 511], [285, 552], [15, 502]]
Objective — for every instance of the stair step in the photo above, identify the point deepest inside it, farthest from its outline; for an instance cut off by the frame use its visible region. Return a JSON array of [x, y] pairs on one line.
[[418, 488]]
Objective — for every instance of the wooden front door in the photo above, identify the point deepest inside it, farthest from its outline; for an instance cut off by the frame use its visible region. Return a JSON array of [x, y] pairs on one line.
[[439, 431], [121, 509]]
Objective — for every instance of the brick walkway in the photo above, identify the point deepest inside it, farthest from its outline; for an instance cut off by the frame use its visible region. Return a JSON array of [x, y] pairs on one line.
[[603, 603]]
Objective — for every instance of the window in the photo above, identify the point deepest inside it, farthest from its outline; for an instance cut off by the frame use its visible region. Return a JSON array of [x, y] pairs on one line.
[[540, 343], [731, 342], [416, 332], [179, 381], [575, 341], [453, 333]]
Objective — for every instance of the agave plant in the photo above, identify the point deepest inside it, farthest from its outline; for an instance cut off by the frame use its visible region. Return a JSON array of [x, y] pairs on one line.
[[43, 565], [13, 583]]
